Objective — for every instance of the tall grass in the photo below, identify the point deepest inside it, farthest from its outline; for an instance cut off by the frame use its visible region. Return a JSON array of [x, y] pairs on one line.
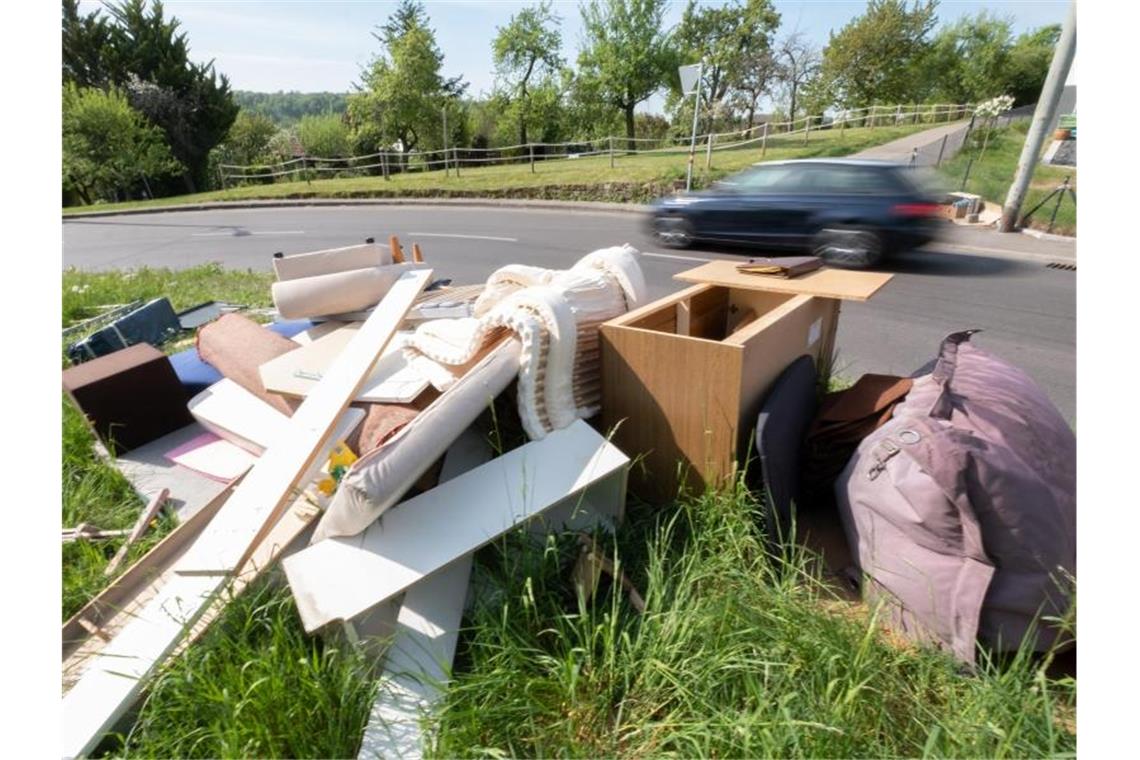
[[737, 655]]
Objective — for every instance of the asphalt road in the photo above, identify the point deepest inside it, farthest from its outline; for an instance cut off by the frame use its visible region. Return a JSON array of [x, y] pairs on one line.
[[974, 279]]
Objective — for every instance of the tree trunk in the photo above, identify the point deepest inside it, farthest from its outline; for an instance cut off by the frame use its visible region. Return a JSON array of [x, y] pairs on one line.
[[522, 130], [629, 135]]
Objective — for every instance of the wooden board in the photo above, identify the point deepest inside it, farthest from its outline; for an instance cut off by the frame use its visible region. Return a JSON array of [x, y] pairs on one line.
[[263, 495], [409, 542], [333, 260], [391, 380], [231, 412], [844, 284], [149, 471], [418, 661]]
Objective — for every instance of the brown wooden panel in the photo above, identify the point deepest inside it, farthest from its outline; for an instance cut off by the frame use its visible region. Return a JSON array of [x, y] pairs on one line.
[[677, 401], [828, 283]]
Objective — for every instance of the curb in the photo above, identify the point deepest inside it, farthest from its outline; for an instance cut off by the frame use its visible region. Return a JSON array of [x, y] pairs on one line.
[[521, 203], [1047, 236]]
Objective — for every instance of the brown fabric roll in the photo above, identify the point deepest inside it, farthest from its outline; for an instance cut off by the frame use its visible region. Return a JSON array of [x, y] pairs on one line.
[[383, 422], [844, 419], [237, 346]]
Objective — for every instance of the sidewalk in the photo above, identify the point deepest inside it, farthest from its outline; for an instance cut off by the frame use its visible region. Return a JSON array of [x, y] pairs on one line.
[[900, 150]]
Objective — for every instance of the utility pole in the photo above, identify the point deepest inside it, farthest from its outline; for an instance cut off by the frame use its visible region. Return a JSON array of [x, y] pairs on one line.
[[1042, 118], [696, 114]]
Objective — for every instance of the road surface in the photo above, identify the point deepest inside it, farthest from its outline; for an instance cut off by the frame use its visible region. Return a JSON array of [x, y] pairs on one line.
[[976, 279]]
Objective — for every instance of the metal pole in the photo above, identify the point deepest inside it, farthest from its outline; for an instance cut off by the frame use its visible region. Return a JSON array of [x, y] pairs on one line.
[[445, 169], [1042, 119], [1060, 197], [764, 141], [941, 150], [708, 152], [966, 176], [696, 113]]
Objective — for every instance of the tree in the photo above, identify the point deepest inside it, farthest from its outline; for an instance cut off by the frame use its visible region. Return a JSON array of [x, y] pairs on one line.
[[879, 57], [402, 94], [248, 141], [108, 147], [324, 136], [287, 108], [626, 55], [759, 69], [145, 55], [727, 39], [1028, 63], [526, 50], [797, 63], [969, 58]]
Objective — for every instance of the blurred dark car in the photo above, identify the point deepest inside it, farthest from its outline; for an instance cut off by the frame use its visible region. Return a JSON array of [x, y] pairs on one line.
[[847, 211]]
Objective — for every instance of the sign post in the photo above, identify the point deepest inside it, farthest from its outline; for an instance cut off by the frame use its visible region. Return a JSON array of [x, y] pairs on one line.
[[691, 83]]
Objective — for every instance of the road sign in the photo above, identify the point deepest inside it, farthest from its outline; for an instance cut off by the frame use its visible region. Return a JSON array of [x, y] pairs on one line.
[[690, 78]]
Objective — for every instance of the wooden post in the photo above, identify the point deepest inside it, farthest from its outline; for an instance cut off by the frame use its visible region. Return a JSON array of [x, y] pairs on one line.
[[764, 141], [872, 117], [708, 152], [611, 152], [941, 150], [531, 146], [807, 129], [842, 125], [455, 159], [384, 165], [446, 173], [898, 114]]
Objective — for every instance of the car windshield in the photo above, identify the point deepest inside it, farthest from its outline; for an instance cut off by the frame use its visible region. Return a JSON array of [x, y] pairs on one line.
[[760, 178]]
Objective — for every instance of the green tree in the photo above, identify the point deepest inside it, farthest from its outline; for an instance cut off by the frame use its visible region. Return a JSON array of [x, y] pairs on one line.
[[324, 136], [1028, 63], [798, 65], [287, 108], [108, 147], [968, 59], [879, 57], [143, 53], [402, 94], [248, 141], [728, 39], [526, 56], [626, 54]]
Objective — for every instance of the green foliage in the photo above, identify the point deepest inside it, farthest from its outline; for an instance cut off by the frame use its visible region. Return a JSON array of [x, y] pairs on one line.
[[879, 57], [1028, 63], [325, 136], [249, 140], [968, 59], [144, 53], [730, 39], [403, 91], [255, 685], [108, 147], [285, 109], [626, 54], [527, 62]]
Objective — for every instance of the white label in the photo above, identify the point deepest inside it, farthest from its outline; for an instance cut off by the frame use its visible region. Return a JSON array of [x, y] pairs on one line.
[[814, 331]]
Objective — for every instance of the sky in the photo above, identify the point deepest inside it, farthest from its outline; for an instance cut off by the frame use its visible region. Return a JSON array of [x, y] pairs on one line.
[[312, 46]]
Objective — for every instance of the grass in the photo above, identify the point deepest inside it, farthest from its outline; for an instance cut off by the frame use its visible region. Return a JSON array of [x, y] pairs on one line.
[[992, 173], [738, 653], [634, 178]]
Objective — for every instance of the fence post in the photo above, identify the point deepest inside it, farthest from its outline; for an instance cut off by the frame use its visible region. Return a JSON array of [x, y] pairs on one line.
[[764, 141], [842, 125], [941, 150], [807, 129], [455, 159], [966, 176], [531, 147], [611, 139], [872, 117], [708, 152], [384, 165]]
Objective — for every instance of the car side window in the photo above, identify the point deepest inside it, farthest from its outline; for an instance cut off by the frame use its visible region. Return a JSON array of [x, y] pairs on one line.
[[851, 180]]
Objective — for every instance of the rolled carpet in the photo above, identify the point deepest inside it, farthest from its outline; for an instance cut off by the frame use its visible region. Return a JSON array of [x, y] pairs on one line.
[[237, 346], [337, 292]]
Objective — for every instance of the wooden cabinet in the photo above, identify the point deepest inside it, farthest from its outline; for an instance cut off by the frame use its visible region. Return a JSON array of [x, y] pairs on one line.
[[683, 378]]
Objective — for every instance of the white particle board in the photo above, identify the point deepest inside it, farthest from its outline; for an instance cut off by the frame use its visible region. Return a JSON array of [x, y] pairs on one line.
[[231, 412], [260, 499], [418, 662], [423, 534], [333, 260], [149, 471]]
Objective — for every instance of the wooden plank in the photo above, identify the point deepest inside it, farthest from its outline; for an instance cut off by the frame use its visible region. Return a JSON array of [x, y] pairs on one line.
[[262, 497], [149, 513], [169, 613], [418, 661], [407, 544], [149, 471], [656, 309], [829, 283]]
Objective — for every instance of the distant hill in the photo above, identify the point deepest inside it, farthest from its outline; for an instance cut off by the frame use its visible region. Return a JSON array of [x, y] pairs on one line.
[[286, 108]]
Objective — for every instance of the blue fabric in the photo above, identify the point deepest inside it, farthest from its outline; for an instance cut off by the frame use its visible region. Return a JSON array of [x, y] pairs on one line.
[[196, 375]]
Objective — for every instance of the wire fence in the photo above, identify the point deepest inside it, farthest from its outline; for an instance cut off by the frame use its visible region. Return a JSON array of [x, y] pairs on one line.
[[758, 137]]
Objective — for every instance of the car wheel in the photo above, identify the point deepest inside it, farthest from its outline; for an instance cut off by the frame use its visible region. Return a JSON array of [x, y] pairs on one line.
[[848, 247], [673, 233]]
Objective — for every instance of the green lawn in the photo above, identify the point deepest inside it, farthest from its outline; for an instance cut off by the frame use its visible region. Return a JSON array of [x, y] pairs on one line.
[[992, 173], [633, 179], [738, 654]]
